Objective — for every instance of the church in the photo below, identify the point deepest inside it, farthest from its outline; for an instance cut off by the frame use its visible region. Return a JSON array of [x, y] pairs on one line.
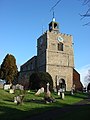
[[55, 55]]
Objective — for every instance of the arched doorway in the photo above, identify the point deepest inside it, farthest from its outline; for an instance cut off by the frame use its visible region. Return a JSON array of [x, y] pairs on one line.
[[61, 84]]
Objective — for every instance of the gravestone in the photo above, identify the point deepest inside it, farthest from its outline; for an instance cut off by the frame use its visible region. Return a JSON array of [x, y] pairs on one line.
[[11, 91], [41, 90], [18, 99], [62, 94], [72, 89], [48, 87], [7, 87], [72, 92], [15, 99], [59, 92], [48, 98]]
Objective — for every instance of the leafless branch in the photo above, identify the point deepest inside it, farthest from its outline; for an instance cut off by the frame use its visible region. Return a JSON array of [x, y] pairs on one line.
[[55, 5], [86, 24], [86, 2], [87, 14]]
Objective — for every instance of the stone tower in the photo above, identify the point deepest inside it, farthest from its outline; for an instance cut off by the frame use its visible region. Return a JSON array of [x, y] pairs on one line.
[[55, 55]]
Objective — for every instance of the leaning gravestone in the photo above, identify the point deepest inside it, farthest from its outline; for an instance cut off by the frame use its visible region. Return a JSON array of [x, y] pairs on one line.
[[41, 90]]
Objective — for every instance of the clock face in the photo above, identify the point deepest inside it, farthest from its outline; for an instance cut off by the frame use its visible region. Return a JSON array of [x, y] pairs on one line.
[[60, 39]]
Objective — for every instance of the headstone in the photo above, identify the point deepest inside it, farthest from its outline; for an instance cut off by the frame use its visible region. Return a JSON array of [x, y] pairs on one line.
[[28, 91], [72, 89], [13, 87], [59, 92], [47, 87], [48, 94], [47, 97], [2, 82], [62, 95], [11, 91], [41, 90], [18, 99], [38, 92], [1, 85], [7, 87], [15, 100], [20, 87], [71, 92]]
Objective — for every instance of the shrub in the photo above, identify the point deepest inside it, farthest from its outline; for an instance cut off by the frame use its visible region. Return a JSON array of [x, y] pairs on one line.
[[40, 79]]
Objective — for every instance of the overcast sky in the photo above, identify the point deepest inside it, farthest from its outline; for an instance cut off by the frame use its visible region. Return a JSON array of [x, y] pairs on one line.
[[21, 23]]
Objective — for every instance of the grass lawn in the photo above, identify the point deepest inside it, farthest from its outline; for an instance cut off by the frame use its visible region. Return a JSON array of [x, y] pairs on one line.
[[35, 104]]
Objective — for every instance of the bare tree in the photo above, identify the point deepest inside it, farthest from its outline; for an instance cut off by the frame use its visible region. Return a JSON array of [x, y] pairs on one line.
[[87, 77], [87, 12]]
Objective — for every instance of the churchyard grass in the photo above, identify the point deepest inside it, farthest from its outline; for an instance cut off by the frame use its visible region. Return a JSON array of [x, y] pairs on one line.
[[32, 104]]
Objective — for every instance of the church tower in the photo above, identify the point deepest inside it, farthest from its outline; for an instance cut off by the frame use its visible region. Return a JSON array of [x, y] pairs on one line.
[[55, 55]]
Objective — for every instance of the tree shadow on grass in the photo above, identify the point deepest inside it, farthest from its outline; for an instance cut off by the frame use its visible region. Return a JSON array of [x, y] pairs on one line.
[[11, 111], [75, 112], [52, 111], [69, 112], [35, 101], [7, 113]]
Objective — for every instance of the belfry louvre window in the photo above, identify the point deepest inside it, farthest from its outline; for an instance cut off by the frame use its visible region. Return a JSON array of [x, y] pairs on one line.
[[55, 26], [60, 46]]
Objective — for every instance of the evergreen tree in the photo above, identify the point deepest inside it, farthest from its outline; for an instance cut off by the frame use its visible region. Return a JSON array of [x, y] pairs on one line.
[[8, 69]]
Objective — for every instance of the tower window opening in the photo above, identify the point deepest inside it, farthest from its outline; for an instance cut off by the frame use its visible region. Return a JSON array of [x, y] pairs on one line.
[[55, 26], [60, 46]]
